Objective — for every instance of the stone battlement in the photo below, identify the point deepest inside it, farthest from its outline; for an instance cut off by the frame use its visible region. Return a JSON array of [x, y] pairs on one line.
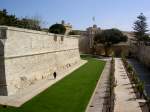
[[27, 56]]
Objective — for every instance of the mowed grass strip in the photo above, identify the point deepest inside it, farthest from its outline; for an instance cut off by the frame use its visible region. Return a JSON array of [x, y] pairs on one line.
[[71, 94]]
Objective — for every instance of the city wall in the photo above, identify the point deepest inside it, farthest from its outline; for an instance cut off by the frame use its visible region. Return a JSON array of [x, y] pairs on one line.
[[144, 55], [141, 52], [27, 56]]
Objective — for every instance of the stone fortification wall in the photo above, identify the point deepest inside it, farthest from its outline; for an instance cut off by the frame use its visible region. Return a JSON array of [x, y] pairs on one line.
[[144, 55], [141, 52], [84, 45], [27, 56]]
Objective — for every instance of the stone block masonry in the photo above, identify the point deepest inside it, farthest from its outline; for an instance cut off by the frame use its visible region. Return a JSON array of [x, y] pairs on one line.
[[141, 52], [27, 56], [144, 54]]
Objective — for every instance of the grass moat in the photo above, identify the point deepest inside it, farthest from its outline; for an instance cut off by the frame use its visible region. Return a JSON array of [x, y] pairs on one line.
[[71, 94]]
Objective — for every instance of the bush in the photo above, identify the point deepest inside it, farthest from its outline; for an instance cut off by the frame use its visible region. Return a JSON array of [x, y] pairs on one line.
[[108, 38], [113, 55], [140, 88], [123, 56], [26, 22], [135, 79], [74, 32], [112, 84], [124, 60], [130, 68], [57, 29]]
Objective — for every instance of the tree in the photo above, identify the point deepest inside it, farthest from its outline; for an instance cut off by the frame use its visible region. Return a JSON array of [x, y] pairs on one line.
[[12, 20], [140, 27], [29, 23], [109, 37], [57, 29], [3, 14]]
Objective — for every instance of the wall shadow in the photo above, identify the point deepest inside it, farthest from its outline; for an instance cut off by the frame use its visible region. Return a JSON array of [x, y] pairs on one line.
[[3, 85]]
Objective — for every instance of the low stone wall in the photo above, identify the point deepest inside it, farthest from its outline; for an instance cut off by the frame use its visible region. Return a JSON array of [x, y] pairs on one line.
[[27, 56]]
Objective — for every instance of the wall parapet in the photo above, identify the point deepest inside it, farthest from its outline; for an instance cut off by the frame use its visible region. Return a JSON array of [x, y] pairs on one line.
[[28, 42], [34, 31]]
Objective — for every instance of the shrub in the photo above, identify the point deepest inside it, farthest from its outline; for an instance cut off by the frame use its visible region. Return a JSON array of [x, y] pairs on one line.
[[130, 68], [136, 79], [124, 60], [112, 84], [109, 37], [140, 88], [26, 22], [113, 55], [57, 29], [123, 56], [74, 32]]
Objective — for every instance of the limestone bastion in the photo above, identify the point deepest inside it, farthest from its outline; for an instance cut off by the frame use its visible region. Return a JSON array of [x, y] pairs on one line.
[[27, 56]]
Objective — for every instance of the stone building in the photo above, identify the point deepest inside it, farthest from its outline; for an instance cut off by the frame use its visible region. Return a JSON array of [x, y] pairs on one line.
[[91, 31], [86, 40]]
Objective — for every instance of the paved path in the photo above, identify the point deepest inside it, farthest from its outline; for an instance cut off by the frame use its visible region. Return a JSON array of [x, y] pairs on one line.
[[23, 96], [96, 103], [142, 72], [125, 97]]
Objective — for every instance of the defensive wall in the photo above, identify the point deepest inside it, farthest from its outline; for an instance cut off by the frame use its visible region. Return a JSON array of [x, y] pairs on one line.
[[27, 56], [141, 51]]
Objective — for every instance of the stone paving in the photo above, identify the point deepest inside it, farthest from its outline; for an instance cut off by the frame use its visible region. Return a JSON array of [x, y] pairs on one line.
[[96, 103], [26, 94], [125, 99]]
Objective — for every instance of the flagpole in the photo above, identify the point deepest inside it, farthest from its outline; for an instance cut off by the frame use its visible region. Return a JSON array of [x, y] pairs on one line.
[[93, 18]]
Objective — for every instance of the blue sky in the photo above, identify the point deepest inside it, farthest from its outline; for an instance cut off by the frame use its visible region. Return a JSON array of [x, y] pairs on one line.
[[108, 13]]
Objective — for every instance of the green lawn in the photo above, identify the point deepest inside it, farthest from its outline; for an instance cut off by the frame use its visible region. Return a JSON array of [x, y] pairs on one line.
[[71, 94]]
